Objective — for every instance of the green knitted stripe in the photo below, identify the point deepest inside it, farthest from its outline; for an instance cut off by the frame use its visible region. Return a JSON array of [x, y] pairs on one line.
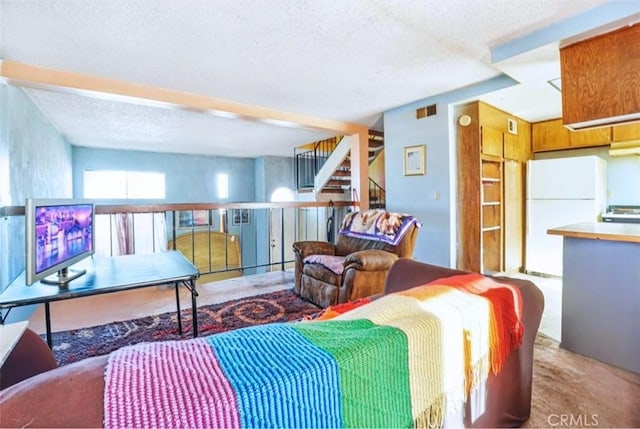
[[373, 367]]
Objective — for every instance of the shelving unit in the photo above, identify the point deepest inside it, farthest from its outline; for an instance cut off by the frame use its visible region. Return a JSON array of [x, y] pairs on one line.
[[491, 214], [491, 155]]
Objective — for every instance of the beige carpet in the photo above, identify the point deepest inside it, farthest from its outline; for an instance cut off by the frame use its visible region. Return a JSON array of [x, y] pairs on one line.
[[570, 390]]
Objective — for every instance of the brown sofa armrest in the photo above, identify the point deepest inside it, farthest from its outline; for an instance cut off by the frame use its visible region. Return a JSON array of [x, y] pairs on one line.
[[370, 260], [302, 249], [30, 356]]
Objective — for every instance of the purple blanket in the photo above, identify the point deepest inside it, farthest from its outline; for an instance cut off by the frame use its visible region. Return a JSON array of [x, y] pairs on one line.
[[378, 225]]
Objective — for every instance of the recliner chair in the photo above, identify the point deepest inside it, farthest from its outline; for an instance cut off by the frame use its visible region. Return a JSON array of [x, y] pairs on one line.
[[356, 266]]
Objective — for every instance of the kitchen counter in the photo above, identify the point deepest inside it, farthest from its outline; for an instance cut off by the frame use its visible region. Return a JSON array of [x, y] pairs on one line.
[[601, 291], [627, 232]]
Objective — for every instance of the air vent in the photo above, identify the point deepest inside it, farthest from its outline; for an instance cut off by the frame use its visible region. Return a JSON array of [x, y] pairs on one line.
[[423, 112]]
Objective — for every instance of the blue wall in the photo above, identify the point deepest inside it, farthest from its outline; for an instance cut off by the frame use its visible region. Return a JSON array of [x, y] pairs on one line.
[[430, 197], [35, 161], [189, 178]]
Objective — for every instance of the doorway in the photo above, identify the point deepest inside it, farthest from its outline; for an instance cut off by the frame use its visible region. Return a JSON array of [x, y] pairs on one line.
[[282, 228]]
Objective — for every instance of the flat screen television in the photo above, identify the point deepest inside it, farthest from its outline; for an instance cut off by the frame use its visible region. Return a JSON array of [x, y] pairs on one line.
[[58, 233]]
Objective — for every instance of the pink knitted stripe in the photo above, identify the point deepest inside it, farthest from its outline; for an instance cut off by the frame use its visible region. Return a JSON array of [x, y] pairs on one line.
[[181, 378]]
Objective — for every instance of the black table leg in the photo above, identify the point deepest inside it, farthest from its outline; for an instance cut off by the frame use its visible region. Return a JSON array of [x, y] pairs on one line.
[[177, 286], [194, 306], [47, 321]]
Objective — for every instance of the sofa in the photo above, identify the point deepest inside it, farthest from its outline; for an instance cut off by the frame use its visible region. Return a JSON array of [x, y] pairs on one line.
[[74, 395], [356, 266]]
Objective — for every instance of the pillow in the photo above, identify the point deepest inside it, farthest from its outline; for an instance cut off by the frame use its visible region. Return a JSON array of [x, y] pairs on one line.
[[333, 263]]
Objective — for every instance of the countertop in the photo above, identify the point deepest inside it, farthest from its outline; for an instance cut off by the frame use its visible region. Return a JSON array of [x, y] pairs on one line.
[[628, 232]]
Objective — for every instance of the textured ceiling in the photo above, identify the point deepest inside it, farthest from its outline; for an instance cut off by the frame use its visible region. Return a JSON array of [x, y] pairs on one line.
[[347, 60]]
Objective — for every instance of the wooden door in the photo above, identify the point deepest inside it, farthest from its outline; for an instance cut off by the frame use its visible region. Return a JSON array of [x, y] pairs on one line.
[[514, 174]]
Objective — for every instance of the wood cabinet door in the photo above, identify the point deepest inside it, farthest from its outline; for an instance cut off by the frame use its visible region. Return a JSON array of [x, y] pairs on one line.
[[514, 179], [623, 133], [491, 142], [511, 146], [549, 135], [595, 137]]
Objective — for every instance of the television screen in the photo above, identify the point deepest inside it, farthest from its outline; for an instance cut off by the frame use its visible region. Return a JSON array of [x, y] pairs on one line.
[[59, 233]]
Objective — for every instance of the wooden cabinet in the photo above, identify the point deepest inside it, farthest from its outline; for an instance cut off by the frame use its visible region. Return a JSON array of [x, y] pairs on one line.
[[552, 135], [491, 142], [487, 152], [623, 133], [600, 77], [590, 138], [549, 135], [514, 209], [512, 147], [491, 215]]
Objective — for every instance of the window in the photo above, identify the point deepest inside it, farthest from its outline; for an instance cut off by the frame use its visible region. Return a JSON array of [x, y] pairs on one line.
[[106, 184], [223, 185], [283, 195]]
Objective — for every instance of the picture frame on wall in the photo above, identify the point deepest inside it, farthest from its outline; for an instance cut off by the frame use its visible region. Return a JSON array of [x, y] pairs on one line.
[[415, 160], [192, 218], [240, 217]]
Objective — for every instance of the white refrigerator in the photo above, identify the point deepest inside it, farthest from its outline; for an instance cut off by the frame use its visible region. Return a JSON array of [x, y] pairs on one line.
[[560, 191]]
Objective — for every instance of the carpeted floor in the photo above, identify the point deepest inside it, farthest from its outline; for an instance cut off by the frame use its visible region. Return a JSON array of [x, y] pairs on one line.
[[570, 390]]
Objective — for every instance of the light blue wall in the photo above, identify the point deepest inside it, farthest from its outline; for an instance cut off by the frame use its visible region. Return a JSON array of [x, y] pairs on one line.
[[189, 178], [430, 197], [35, 161], [272, 173]]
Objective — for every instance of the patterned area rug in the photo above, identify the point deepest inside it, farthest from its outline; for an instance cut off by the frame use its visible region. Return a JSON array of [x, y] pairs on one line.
[[281, 306]]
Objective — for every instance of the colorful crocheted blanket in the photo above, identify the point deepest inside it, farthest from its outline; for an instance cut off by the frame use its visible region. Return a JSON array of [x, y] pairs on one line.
[[380, 365], [377, 225]]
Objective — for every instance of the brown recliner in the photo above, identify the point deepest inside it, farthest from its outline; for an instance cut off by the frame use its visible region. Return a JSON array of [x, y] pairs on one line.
[[355, 267]]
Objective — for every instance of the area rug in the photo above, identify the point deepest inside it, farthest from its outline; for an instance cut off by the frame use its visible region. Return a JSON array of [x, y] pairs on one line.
[[280, 306]]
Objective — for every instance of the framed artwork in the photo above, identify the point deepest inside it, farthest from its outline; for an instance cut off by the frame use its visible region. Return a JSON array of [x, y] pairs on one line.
[[240, 217], [414, 160], [188, 218]]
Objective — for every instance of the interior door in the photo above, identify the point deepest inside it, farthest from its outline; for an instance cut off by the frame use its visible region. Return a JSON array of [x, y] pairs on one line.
[[282, 232]]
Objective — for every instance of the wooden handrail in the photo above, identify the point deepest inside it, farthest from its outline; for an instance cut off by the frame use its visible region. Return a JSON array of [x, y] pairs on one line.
[[151, 208]]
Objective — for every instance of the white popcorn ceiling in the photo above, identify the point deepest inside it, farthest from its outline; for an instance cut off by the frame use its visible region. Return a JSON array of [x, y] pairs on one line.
[[348, 60]]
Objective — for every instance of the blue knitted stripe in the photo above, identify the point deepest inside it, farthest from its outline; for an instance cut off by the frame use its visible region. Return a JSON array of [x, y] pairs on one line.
[[281, 380]]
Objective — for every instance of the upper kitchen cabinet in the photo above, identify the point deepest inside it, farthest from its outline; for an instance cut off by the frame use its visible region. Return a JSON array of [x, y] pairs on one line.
[[600, 78], [590, 138], [549, 135], [552, 135], [624, 133], [491, 142]]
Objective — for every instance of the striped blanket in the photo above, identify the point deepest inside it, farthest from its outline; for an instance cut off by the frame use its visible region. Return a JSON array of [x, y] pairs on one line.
[[406, 359]]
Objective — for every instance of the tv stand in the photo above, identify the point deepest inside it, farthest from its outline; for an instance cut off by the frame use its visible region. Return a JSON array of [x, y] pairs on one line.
[[62, 277], [107, 275]]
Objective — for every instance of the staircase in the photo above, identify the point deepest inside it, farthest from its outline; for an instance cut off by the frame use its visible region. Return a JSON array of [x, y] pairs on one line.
[[310, 159]]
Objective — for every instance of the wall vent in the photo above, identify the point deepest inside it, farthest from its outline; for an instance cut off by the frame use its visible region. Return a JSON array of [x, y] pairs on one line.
[[423, 112]]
